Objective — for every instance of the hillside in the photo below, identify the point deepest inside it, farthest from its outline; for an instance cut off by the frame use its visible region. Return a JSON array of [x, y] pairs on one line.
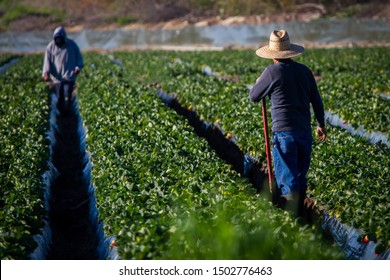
[[29, 15]]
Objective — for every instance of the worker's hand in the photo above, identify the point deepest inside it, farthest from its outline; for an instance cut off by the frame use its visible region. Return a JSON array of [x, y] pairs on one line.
[[76, 71], [46, 77], [321, 133]]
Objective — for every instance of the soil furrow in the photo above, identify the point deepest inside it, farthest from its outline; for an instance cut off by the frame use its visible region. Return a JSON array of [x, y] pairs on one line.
[[75, 232]]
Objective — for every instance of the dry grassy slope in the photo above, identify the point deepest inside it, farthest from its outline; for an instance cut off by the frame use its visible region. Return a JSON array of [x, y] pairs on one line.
[[99, 13]]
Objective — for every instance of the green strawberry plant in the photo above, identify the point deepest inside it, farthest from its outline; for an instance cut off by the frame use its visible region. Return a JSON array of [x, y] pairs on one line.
[[6, 57], [227, 103], [154, 177], [24, 113], [160, 189]]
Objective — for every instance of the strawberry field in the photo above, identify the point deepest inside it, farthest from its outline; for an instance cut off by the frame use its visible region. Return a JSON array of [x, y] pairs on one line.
[[24, 118], [162, 190]]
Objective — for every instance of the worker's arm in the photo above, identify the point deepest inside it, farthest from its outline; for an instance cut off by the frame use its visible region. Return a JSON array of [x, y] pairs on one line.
[[79, 60], [318, 108], [262, 87], [46, 66]]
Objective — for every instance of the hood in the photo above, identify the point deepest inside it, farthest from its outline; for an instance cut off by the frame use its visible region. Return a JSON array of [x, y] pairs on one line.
[[60, 31]]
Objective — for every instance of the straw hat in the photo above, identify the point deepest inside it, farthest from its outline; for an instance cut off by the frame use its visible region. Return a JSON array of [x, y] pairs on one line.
[[279, 46]]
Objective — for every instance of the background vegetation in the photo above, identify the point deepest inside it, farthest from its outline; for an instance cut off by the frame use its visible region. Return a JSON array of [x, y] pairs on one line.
[[43, 13]]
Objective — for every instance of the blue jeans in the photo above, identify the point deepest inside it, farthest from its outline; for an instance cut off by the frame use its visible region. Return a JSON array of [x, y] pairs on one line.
[[291, 154], [65, 95]]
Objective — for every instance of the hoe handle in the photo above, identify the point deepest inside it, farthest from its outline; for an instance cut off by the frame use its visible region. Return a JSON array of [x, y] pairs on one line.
[[267, 148]]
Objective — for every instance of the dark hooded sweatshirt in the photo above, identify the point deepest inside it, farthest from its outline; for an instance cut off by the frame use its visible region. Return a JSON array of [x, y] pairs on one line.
[[291, 87], [60, 62]]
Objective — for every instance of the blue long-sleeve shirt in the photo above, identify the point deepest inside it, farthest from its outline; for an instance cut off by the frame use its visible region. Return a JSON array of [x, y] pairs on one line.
[[291, 87]]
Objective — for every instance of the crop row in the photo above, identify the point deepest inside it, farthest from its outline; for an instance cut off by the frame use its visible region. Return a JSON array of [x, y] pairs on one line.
[[161, 189], [164, 192], [350, 80], [357, 193], [23, 154], [351, 85], [5, 57], [360, 104]]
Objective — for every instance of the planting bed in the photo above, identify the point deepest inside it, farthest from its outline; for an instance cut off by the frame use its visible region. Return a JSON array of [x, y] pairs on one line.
[[350, 80], [5, 57], [165, 193], [162, 191], [346, 190], [72, 229], [24, 151], [7, 61]]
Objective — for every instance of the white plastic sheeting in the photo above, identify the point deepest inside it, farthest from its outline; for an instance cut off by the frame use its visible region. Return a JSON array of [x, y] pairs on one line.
[[168, 99], [44, 239], [9, 64], [104, 242], [373, 137], [385, 96], [347, 31], [115, 60], [345, 236], [348, 240]]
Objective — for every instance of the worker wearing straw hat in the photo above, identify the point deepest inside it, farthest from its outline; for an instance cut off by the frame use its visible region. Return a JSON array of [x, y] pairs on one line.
[[292, 88]]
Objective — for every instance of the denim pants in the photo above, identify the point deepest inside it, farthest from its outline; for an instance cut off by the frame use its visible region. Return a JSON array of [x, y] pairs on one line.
[[291, 154], [65, 95]]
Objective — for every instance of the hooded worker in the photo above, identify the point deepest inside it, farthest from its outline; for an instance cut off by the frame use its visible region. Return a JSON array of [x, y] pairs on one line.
[[63, 60]]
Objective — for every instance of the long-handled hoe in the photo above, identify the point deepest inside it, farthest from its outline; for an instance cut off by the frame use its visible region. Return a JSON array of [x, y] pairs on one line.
[[267, 148]]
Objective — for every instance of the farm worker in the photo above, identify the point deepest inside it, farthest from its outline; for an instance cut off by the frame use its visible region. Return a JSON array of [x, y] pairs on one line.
[[63, 62], [291, 88]]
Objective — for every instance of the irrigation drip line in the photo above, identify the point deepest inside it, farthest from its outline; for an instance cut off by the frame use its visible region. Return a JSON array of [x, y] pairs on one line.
[[8, 64], [71, 229]]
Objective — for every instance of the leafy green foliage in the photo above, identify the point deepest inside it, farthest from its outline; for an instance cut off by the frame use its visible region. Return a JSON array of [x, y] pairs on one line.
[[243, 228], [163, 191], [351, 177], [160, 189], [19, 11], [5, 57], [122, 20], [23, 155], [346, 171], [351, 81]]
